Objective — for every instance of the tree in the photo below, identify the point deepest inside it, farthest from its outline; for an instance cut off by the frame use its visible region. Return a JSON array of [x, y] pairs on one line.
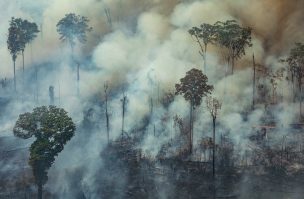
[[29, 33], [274, 77], [253, 82], [15, 42], [73, 28], [52, 128], [213, 106], [234, 38], [124, 100], [295, 61], [21, 32], [106, 86], [193, 87], [204, 35], [51, 94]]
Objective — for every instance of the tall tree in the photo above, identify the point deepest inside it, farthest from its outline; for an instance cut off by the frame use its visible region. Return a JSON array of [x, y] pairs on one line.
[[15, 42], [29, 33], [124, 100], [193, 87], [253, 82], [204, 35], [234, 38], [295, 62], [274, 77], [21, 33], [106, 86], [52, 128], [73, 28], [213, 106]]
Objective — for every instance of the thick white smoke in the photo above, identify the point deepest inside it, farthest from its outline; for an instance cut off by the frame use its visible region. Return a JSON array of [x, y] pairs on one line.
[[143, 52]]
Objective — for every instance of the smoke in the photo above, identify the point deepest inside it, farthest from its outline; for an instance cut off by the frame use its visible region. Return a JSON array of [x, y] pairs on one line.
[[142, 48]]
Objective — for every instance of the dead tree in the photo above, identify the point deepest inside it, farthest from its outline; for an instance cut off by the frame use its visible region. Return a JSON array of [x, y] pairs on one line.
[[213, 106], [295, 63], [274, 77], [51, 94], [78, 78], [253, 83], [108, 15], [106, 86], [124, 102]]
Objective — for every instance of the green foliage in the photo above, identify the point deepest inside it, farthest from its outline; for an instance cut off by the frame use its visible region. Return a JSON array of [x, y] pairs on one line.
[[194, 87], [20, 33], [29, 30], [232, 36], [228, 35], [204, 35], [206, 32], [52, 128], [73, 27], [14, 40]]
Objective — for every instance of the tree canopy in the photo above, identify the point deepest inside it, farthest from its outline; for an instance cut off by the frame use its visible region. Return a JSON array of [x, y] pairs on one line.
[[29, 30], [228, 35], [73, 28], [194, 86], [21, 32], [15, 43], [204, 35], [234, 38], [52, 128]]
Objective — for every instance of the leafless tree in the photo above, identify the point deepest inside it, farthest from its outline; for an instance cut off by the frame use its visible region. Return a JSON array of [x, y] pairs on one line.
[[274, 77], [124, 102], [106, 86], [213, 106]]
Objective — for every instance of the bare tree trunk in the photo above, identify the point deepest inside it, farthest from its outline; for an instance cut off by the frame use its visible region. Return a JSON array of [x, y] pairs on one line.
[[293, 91], [23, 67], [273, 93], [205, 59], [107, 116], [191, 127], [253, 83], [78, 78], [123, 119], [300, 87], [39, 196], [232, 65], [213, 152], [124, 101], [202, 53], [213, 189], [158, 94], [37, 86], [151, 106], [15, 75], [154, 130]]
